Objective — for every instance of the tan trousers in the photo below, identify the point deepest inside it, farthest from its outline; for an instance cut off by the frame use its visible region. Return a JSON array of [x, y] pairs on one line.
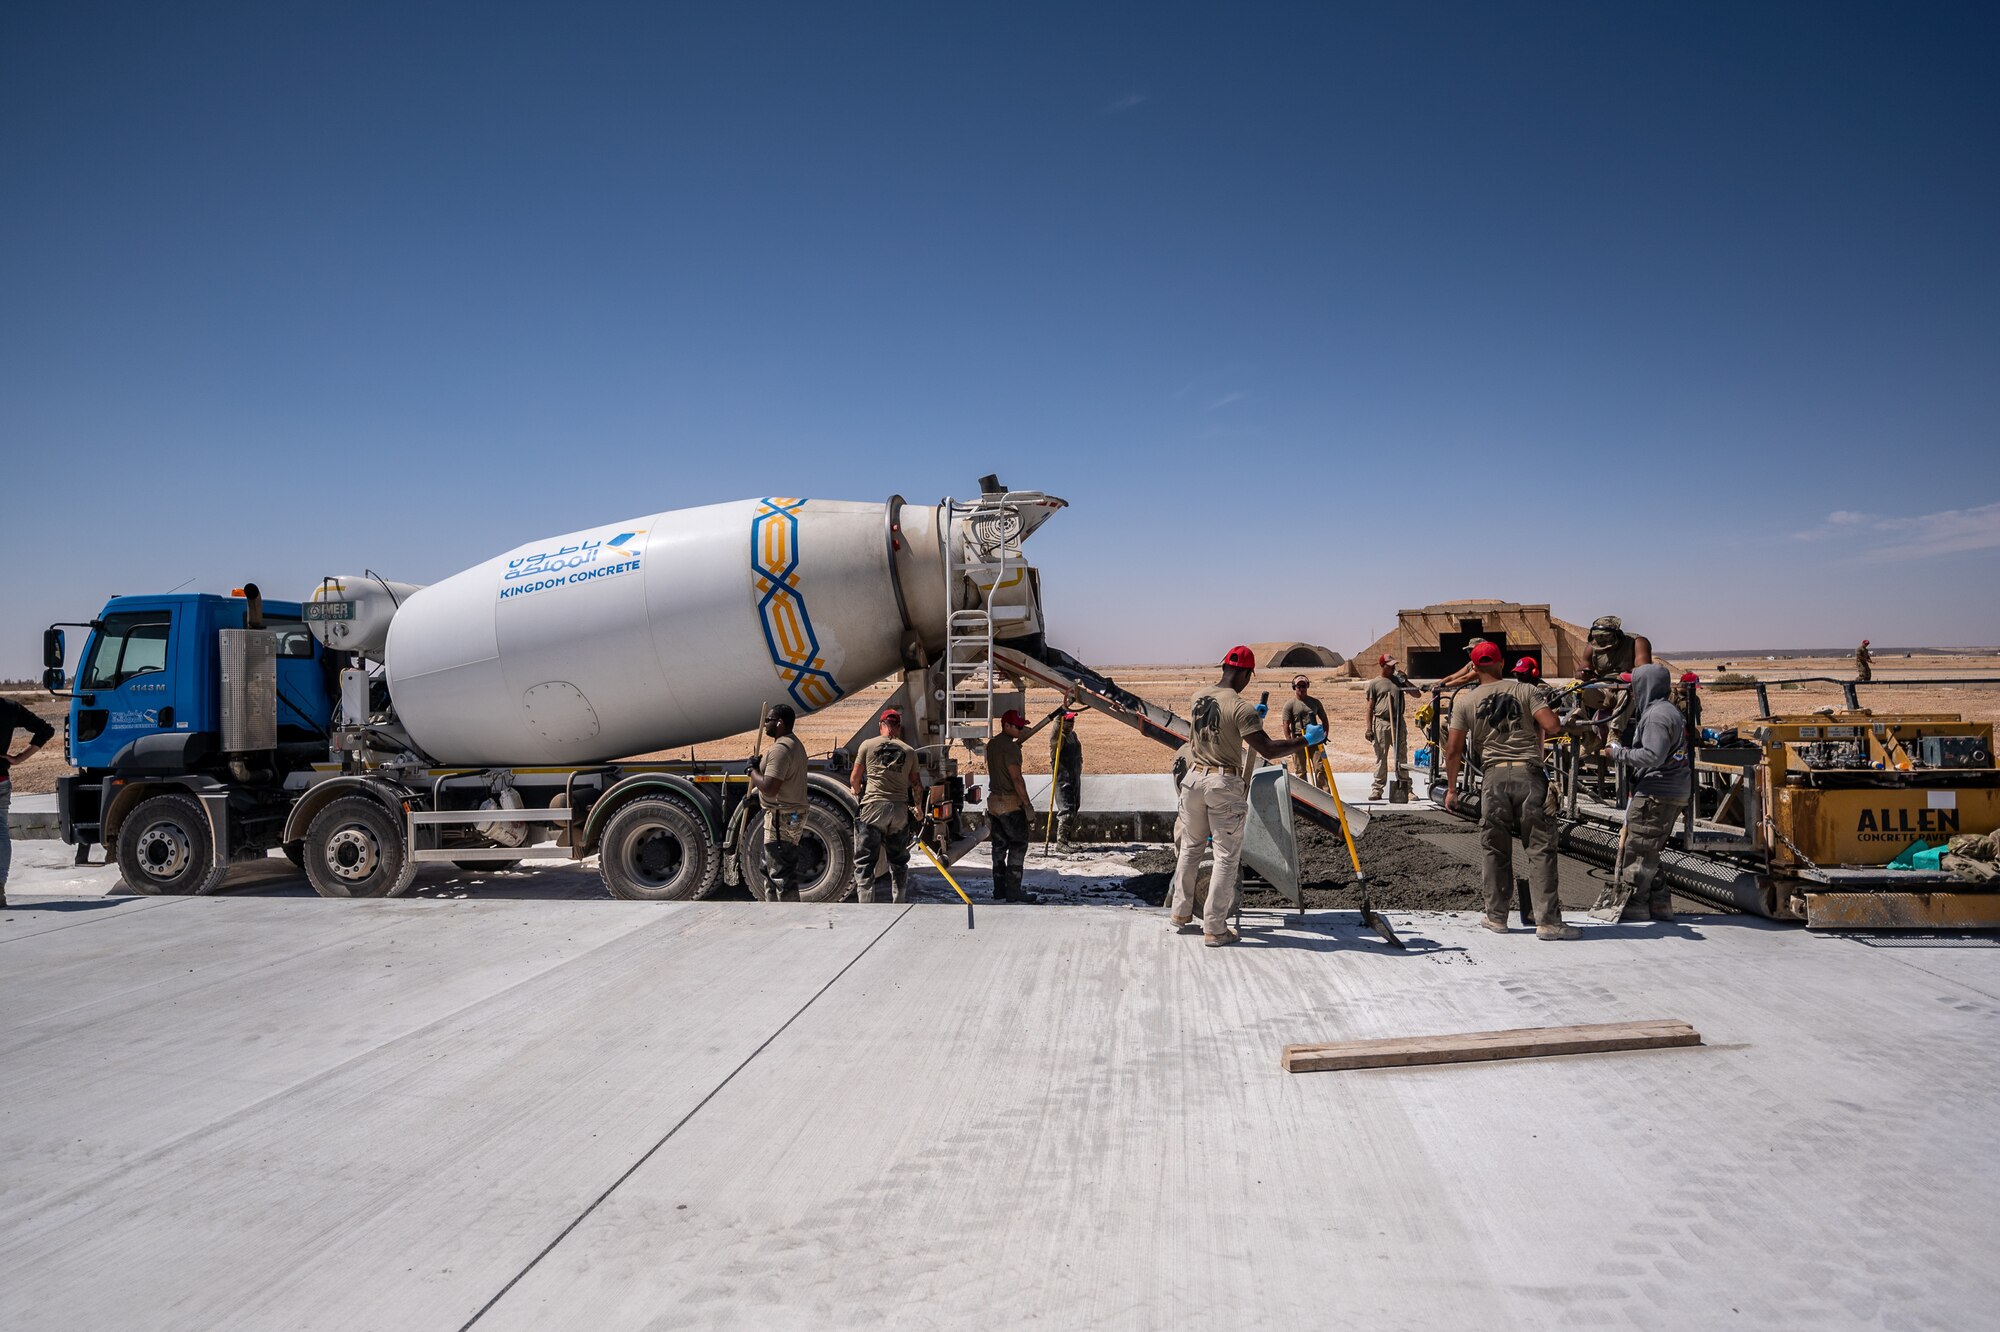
[[1511, 806], [1214, 806], [1384, 739], [1649, 822]]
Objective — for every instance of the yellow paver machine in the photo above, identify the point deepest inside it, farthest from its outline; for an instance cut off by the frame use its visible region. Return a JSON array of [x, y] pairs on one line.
[[1799, 816]]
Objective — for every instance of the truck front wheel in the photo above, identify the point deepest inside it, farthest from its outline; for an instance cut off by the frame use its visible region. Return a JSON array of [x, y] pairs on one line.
[[657, 849], [164, 848], [354, 848]]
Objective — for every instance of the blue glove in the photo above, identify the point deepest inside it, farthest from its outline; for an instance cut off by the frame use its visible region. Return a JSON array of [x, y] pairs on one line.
[[1315, 734], [1263, 710]]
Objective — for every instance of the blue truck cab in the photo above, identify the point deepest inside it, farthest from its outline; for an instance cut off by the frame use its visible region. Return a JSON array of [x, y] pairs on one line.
[[145, 734]]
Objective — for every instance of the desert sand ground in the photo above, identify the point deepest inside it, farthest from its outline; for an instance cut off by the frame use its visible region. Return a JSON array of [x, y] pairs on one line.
[[1109, 747]]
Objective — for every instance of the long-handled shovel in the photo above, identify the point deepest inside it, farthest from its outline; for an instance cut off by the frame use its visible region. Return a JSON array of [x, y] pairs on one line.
[[1374, 919]]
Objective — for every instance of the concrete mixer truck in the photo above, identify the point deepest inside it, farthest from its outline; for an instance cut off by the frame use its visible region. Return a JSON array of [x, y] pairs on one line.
[[373, 726]]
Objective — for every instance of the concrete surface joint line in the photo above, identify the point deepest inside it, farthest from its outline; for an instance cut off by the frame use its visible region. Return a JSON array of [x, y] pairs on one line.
[[679, 1124]]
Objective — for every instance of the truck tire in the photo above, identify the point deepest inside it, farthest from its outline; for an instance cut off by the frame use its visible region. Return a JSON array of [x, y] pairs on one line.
[[354, 848], [164, 848], [657, 849], [826, 855]]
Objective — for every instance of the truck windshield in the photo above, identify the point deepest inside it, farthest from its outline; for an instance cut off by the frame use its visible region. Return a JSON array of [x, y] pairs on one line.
[[130, 643]]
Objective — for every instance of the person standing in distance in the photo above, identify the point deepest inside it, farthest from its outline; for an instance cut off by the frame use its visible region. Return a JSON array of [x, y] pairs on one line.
[[1214, 798], [1066, 761], [1301, 711], [1387, 730], [1007, 809], [885, 780], [779, 779], [1507, 722]]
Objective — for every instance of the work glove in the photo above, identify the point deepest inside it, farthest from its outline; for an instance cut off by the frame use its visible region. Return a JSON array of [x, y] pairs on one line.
[[755, 763], [1616, 750], [1315, 734], [1263, 710]]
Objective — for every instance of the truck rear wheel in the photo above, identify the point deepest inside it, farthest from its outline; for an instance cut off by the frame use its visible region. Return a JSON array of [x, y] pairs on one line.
[[657, 849], [164, 848], [826, 855], [354, 848]]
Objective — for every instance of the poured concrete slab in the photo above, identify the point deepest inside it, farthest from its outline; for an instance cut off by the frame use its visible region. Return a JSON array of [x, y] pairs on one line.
[[258, 1112]]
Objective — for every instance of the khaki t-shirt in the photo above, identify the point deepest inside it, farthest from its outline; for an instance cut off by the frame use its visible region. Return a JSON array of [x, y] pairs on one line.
[[1300, 713], [1064, 747], [1385, 702], [1498, 718], [1003, 755], [1221, 718], [785, 761], [888, 767]]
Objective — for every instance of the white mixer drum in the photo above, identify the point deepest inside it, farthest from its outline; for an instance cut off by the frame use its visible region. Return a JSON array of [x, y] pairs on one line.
[[659, 632]]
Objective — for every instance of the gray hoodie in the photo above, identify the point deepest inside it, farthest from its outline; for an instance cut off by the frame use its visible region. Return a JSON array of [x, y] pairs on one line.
[[1656, 750]]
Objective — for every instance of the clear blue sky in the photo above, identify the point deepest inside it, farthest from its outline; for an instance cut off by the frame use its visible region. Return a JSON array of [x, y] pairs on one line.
[[1689, 312]]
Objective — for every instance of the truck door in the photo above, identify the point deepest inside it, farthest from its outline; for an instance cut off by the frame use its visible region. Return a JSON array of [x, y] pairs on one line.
[[126, 688]]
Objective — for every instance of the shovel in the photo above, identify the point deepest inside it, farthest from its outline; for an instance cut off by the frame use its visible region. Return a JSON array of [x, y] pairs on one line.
[[1370, 917]]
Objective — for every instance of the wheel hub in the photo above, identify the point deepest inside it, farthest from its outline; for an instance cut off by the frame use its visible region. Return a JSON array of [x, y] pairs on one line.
[[352, 853], [164, 850], [656, 856]]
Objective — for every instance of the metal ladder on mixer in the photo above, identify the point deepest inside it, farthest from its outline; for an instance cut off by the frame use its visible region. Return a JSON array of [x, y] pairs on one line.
[[982, 547]]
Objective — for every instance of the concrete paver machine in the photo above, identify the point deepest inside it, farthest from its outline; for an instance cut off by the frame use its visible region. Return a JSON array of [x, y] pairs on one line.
[[1799, 816]]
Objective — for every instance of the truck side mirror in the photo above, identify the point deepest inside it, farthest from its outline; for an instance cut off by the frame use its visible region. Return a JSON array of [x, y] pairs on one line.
[[52, 647], [53, 681]]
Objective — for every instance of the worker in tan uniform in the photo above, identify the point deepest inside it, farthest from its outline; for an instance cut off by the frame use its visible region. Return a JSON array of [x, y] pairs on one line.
[[778, 777], [1303, 710], [884, 778], [1066, 772], [1864, 663], [1506, 722], [1386, 728], [1007, 809], [1215, 799], [1464, 675]]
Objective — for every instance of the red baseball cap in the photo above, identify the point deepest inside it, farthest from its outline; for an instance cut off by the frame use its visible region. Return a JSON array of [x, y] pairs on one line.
[[1241, 658], [1527, 666], [1689, 677], [1385, 660], [1485, 652], [1625, 676], [1012, 717], [1069, 716], [891, 715]]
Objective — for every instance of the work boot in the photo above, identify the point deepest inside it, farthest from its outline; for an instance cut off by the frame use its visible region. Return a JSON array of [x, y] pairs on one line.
[[899, 885], [1182, 924], [1496, 924], [1558, 932], [1665, 913], [1020, 895], [1065, 830], [1218, 940], [1375, 794]]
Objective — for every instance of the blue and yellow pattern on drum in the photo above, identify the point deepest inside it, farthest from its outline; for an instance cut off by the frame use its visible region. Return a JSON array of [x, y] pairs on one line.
[[788, 629]]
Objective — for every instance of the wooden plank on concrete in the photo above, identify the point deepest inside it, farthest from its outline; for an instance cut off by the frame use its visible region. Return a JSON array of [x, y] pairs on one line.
[[1466, 1047]]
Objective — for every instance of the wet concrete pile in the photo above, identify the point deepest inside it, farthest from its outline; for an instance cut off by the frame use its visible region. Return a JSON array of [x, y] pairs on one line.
[[1405, 873]]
